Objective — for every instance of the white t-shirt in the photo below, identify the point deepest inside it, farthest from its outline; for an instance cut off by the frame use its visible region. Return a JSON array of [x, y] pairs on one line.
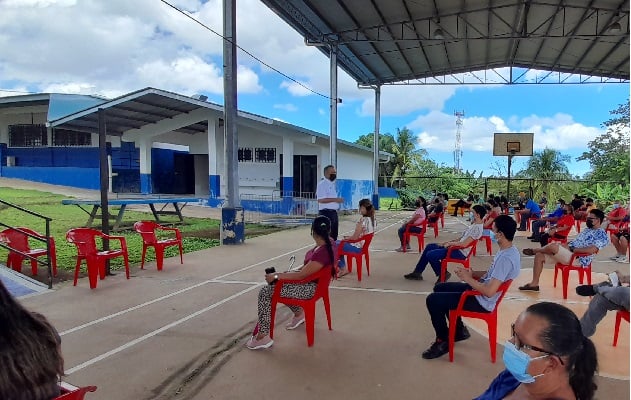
[[367, 228], [326, 190], [474, 232]]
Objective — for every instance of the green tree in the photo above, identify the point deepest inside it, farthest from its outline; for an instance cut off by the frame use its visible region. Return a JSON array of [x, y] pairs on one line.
[[404, 150], [546, 166], [386, 143], [608, 154]]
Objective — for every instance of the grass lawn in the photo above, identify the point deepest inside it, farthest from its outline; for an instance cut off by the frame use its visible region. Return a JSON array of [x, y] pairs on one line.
[[198, 233]]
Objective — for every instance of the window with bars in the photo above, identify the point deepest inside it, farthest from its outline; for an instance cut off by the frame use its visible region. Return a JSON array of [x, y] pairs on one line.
[[245, 154], [265, 155], [64, 137], [28, 135]]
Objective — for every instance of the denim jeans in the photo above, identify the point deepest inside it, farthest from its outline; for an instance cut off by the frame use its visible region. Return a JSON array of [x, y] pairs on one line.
[[445, 298], [348, 248], [434, 254]]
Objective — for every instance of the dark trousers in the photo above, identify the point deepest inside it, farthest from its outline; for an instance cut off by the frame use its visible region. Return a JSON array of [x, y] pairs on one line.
[[536, 228], [445, 298], [433, 254], [332, 216], [414, 229], [460, 204]]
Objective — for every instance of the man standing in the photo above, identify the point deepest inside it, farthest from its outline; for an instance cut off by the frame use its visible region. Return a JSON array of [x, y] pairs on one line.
[[328, 202], [446, 296], [587, 242]]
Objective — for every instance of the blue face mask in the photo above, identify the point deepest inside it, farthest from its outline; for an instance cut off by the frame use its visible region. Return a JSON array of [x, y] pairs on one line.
[[616, 205], [558, 205], [492, 236], [516, 362]]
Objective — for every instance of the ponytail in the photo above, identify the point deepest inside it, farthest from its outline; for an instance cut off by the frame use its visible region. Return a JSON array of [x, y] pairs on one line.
[[582, 375], [321, 226], [329, 249]]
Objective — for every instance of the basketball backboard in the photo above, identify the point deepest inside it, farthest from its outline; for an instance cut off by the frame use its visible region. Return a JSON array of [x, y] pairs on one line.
[[516, 144]]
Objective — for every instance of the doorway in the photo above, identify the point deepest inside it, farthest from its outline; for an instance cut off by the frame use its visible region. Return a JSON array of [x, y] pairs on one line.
[[305, 175]]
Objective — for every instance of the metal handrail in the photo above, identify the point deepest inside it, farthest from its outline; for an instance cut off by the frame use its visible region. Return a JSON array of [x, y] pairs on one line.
[[47, 220]]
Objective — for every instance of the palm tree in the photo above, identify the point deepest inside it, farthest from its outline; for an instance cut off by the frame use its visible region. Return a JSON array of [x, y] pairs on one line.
[[404, 150], [546, 166]]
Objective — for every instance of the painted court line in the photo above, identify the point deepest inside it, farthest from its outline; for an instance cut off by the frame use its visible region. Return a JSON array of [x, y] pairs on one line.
[[214, 280], [157, 331]]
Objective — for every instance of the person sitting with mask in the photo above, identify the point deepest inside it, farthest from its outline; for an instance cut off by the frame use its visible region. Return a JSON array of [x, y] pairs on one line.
[[551, 218], [414, 223], [547, 357], [562, 228]]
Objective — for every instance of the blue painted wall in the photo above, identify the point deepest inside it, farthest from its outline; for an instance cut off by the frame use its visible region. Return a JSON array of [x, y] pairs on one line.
[[85, 178]]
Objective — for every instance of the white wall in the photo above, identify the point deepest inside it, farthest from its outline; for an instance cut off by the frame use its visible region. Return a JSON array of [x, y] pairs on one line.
[[20, 115], [351, 165]]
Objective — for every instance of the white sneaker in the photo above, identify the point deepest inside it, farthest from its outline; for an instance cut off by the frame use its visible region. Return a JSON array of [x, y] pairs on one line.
[[616, 257], [623, 260]]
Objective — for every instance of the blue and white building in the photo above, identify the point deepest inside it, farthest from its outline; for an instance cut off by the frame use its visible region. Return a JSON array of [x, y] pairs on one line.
[[160, 142]]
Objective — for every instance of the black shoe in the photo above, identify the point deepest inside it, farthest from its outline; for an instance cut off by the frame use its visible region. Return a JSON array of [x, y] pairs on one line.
[[521, 230], [436, 350], [529, 287], [414, 276], [585, 290], [447, 276], [531, 237], [535, 240], [462, 334]]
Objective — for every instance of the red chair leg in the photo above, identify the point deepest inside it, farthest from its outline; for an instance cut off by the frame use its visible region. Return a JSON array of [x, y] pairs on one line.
[[159, 257], [492, 326], [16, 262], [406, 239], [126, 260], [349, 263], [142, 260], [93, 271], [271, 320], [556, 272], [359, 268], [565, 275], [367, 264], [452, 334], [34, 267], [327, 310], [616, 329], [76, 270], [181, 253], [310, 323]]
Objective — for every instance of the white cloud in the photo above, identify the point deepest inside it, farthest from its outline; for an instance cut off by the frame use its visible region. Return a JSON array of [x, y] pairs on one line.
[[287, 107], [437, 131]]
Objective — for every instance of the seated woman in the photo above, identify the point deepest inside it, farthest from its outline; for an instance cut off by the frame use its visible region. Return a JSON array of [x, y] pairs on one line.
[[434, 253], [321, 256], [492, 211], [415, 223], [548, 357], [562, 228], [364, 226], [30, 351]]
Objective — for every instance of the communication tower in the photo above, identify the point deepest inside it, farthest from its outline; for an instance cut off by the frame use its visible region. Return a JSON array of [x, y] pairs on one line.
[[458, 145]]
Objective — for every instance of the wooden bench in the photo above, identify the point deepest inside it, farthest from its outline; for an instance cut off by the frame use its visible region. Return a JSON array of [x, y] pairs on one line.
[[123, 203]]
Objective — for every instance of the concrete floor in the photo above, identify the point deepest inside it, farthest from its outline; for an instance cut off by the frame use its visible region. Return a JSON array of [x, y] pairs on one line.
[[179, 333]]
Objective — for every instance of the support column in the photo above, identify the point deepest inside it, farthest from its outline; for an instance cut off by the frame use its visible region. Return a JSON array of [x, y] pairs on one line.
[[334, 101], [375, 147], [231, 142], [145, 165], [288, 167], [214, 152]]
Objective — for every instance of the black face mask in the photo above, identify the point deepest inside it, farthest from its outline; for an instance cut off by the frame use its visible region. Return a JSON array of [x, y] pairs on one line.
[[332, 177], [589, 223]]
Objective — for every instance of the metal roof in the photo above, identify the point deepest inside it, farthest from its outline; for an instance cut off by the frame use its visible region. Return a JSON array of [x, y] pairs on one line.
[[135, 110], [415, 41]]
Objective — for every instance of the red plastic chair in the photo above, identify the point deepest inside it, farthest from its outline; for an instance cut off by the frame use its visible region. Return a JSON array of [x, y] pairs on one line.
[[448, 258], [620, 315], [358, 257], [430, 224], [419, 235], [487, 242], [147, 230], [566, 268], [70, 392], [490, 318], [323, 278], [442, 220], [18, 239], [85, 240]]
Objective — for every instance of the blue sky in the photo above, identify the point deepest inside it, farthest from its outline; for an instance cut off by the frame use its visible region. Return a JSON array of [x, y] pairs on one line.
[[111, 48]]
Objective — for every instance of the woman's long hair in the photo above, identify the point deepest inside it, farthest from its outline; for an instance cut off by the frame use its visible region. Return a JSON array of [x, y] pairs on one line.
[[321, 226], [423, 203], [30, 355], [367, 204], [564, 338]]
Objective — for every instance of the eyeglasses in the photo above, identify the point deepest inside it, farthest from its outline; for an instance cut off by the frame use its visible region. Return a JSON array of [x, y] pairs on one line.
[[591, 218], [519, 345]]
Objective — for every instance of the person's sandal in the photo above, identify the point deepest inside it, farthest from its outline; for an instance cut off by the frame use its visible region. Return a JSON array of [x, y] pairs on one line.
[[528, 252]]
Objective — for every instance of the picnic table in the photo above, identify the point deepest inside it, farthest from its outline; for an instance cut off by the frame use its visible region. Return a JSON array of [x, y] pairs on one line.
[[123, 203]]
